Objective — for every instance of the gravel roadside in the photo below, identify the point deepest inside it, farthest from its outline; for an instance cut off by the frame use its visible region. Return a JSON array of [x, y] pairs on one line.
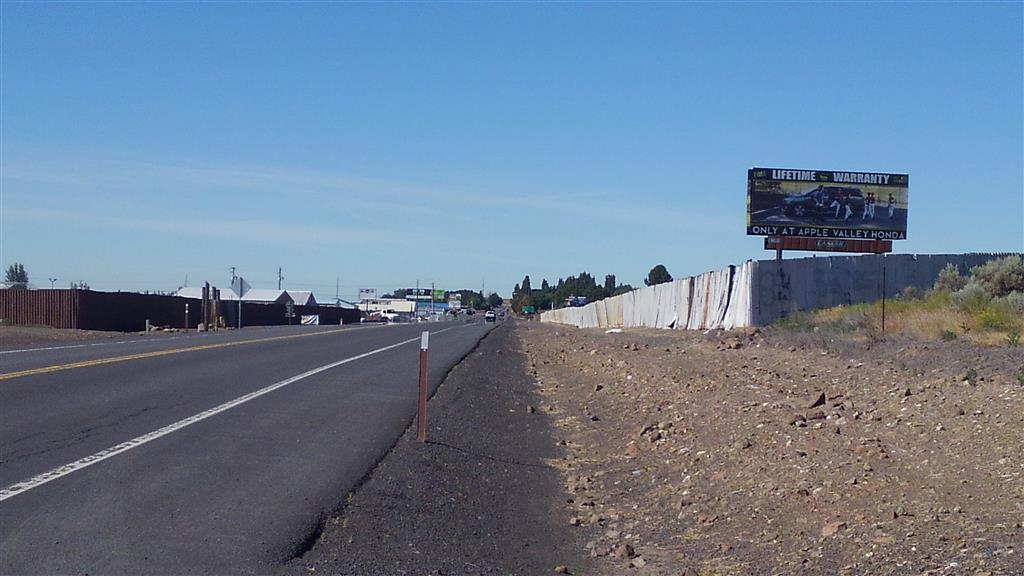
[[482, 496], [773, 452]]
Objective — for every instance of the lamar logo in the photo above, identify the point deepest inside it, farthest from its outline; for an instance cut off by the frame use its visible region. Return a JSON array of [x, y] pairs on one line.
[[831, 244]]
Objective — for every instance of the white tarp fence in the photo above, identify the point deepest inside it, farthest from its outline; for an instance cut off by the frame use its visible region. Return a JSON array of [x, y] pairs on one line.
[[717, 299], [760, 292]]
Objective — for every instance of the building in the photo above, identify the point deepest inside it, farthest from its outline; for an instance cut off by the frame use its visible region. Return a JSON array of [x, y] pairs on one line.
[[302, 297], [255, 295], [388, 305]]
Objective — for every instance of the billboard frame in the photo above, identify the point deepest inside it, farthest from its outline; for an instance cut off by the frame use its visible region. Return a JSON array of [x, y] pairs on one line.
[[799, 203]]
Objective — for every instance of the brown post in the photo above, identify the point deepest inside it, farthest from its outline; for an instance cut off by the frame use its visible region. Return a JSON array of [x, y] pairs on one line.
[[421, 417], [883, 294]]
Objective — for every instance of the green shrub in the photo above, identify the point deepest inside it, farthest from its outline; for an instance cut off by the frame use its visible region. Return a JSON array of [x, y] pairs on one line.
[[936, 300], [798, 322], [947, 335], [971, 376], [1000, 277], [972, 298], [996, 316], [1015, 300], [1013, 337], [912, 293], [949, 279]]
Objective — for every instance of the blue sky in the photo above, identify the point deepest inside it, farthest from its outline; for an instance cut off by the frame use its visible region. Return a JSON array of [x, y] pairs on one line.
[[469, 144]]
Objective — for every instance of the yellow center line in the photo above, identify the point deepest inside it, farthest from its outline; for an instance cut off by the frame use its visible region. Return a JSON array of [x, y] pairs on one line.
[[99, 361]]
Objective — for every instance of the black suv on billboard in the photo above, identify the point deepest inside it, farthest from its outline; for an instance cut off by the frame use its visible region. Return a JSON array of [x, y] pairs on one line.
[[824, 201]]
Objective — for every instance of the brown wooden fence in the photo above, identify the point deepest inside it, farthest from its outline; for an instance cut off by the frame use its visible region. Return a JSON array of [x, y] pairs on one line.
[[128, 311], [57, 308]]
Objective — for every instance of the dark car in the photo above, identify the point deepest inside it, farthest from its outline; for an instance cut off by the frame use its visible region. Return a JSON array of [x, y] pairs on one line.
[[824, 202]]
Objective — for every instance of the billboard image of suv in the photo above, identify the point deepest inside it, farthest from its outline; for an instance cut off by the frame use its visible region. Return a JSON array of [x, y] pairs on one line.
[[821, 202], [826, 204]]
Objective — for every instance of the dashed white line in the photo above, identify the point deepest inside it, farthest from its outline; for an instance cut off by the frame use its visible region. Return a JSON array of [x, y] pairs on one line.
[[61, 471]]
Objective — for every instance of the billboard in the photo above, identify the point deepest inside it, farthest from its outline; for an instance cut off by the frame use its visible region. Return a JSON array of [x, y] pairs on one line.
[[827, 204], [367, 294], [417, 293]]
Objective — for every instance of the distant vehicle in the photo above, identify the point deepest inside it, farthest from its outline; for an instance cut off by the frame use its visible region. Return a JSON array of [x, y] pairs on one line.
[[576, 301], [490, 316], [380, 316], [824, 201]]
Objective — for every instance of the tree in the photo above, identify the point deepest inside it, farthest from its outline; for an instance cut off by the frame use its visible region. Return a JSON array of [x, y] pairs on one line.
[[524, 297], [16, 276], [609, 285], [494, 300], [80, 285], [658, 275]]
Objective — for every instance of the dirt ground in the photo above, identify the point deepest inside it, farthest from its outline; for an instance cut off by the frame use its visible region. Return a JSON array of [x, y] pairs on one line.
[[779, 452], [14, 337], [35, 336]]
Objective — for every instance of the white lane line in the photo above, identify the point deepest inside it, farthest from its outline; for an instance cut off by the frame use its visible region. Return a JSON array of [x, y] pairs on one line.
[[69, 346], [61, 471]]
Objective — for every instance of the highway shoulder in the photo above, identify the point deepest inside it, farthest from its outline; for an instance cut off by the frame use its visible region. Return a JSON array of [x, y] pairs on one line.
[[482, 496]]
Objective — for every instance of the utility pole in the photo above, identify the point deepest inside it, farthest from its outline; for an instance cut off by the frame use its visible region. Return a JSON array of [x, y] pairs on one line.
[[279, 277], [240, 280]]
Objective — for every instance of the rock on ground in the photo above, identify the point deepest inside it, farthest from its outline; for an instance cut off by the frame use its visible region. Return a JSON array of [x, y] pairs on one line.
[[769, 452]]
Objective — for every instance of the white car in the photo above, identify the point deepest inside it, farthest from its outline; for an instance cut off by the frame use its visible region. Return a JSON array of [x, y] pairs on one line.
[[489, 316]]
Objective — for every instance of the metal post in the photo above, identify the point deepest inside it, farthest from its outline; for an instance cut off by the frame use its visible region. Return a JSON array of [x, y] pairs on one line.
[[883, 294], [421, 418]]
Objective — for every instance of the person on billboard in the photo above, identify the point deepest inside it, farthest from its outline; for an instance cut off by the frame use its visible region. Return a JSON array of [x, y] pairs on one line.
[[869, 207], [819, 196], [892, 205]]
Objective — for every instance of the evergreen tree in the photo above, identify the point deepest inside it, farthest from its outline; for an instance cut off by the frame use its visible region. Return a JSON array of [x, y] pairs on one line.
[[16, 275], [609, 285], [658, 275]]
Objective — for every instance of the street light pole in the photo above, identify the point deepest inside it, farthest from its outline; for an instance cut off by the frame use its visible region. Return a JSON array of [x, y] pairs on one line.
[[52, 280]]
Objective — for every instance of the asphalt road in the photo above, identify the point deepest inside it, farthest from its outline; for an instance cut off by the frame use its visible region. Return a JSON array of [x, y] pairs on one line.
[[212, 454]]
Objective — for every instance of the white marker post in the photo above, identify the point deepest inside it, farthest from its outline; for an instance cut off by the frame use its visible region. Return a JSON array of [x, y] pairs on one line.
[[421, 416]]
